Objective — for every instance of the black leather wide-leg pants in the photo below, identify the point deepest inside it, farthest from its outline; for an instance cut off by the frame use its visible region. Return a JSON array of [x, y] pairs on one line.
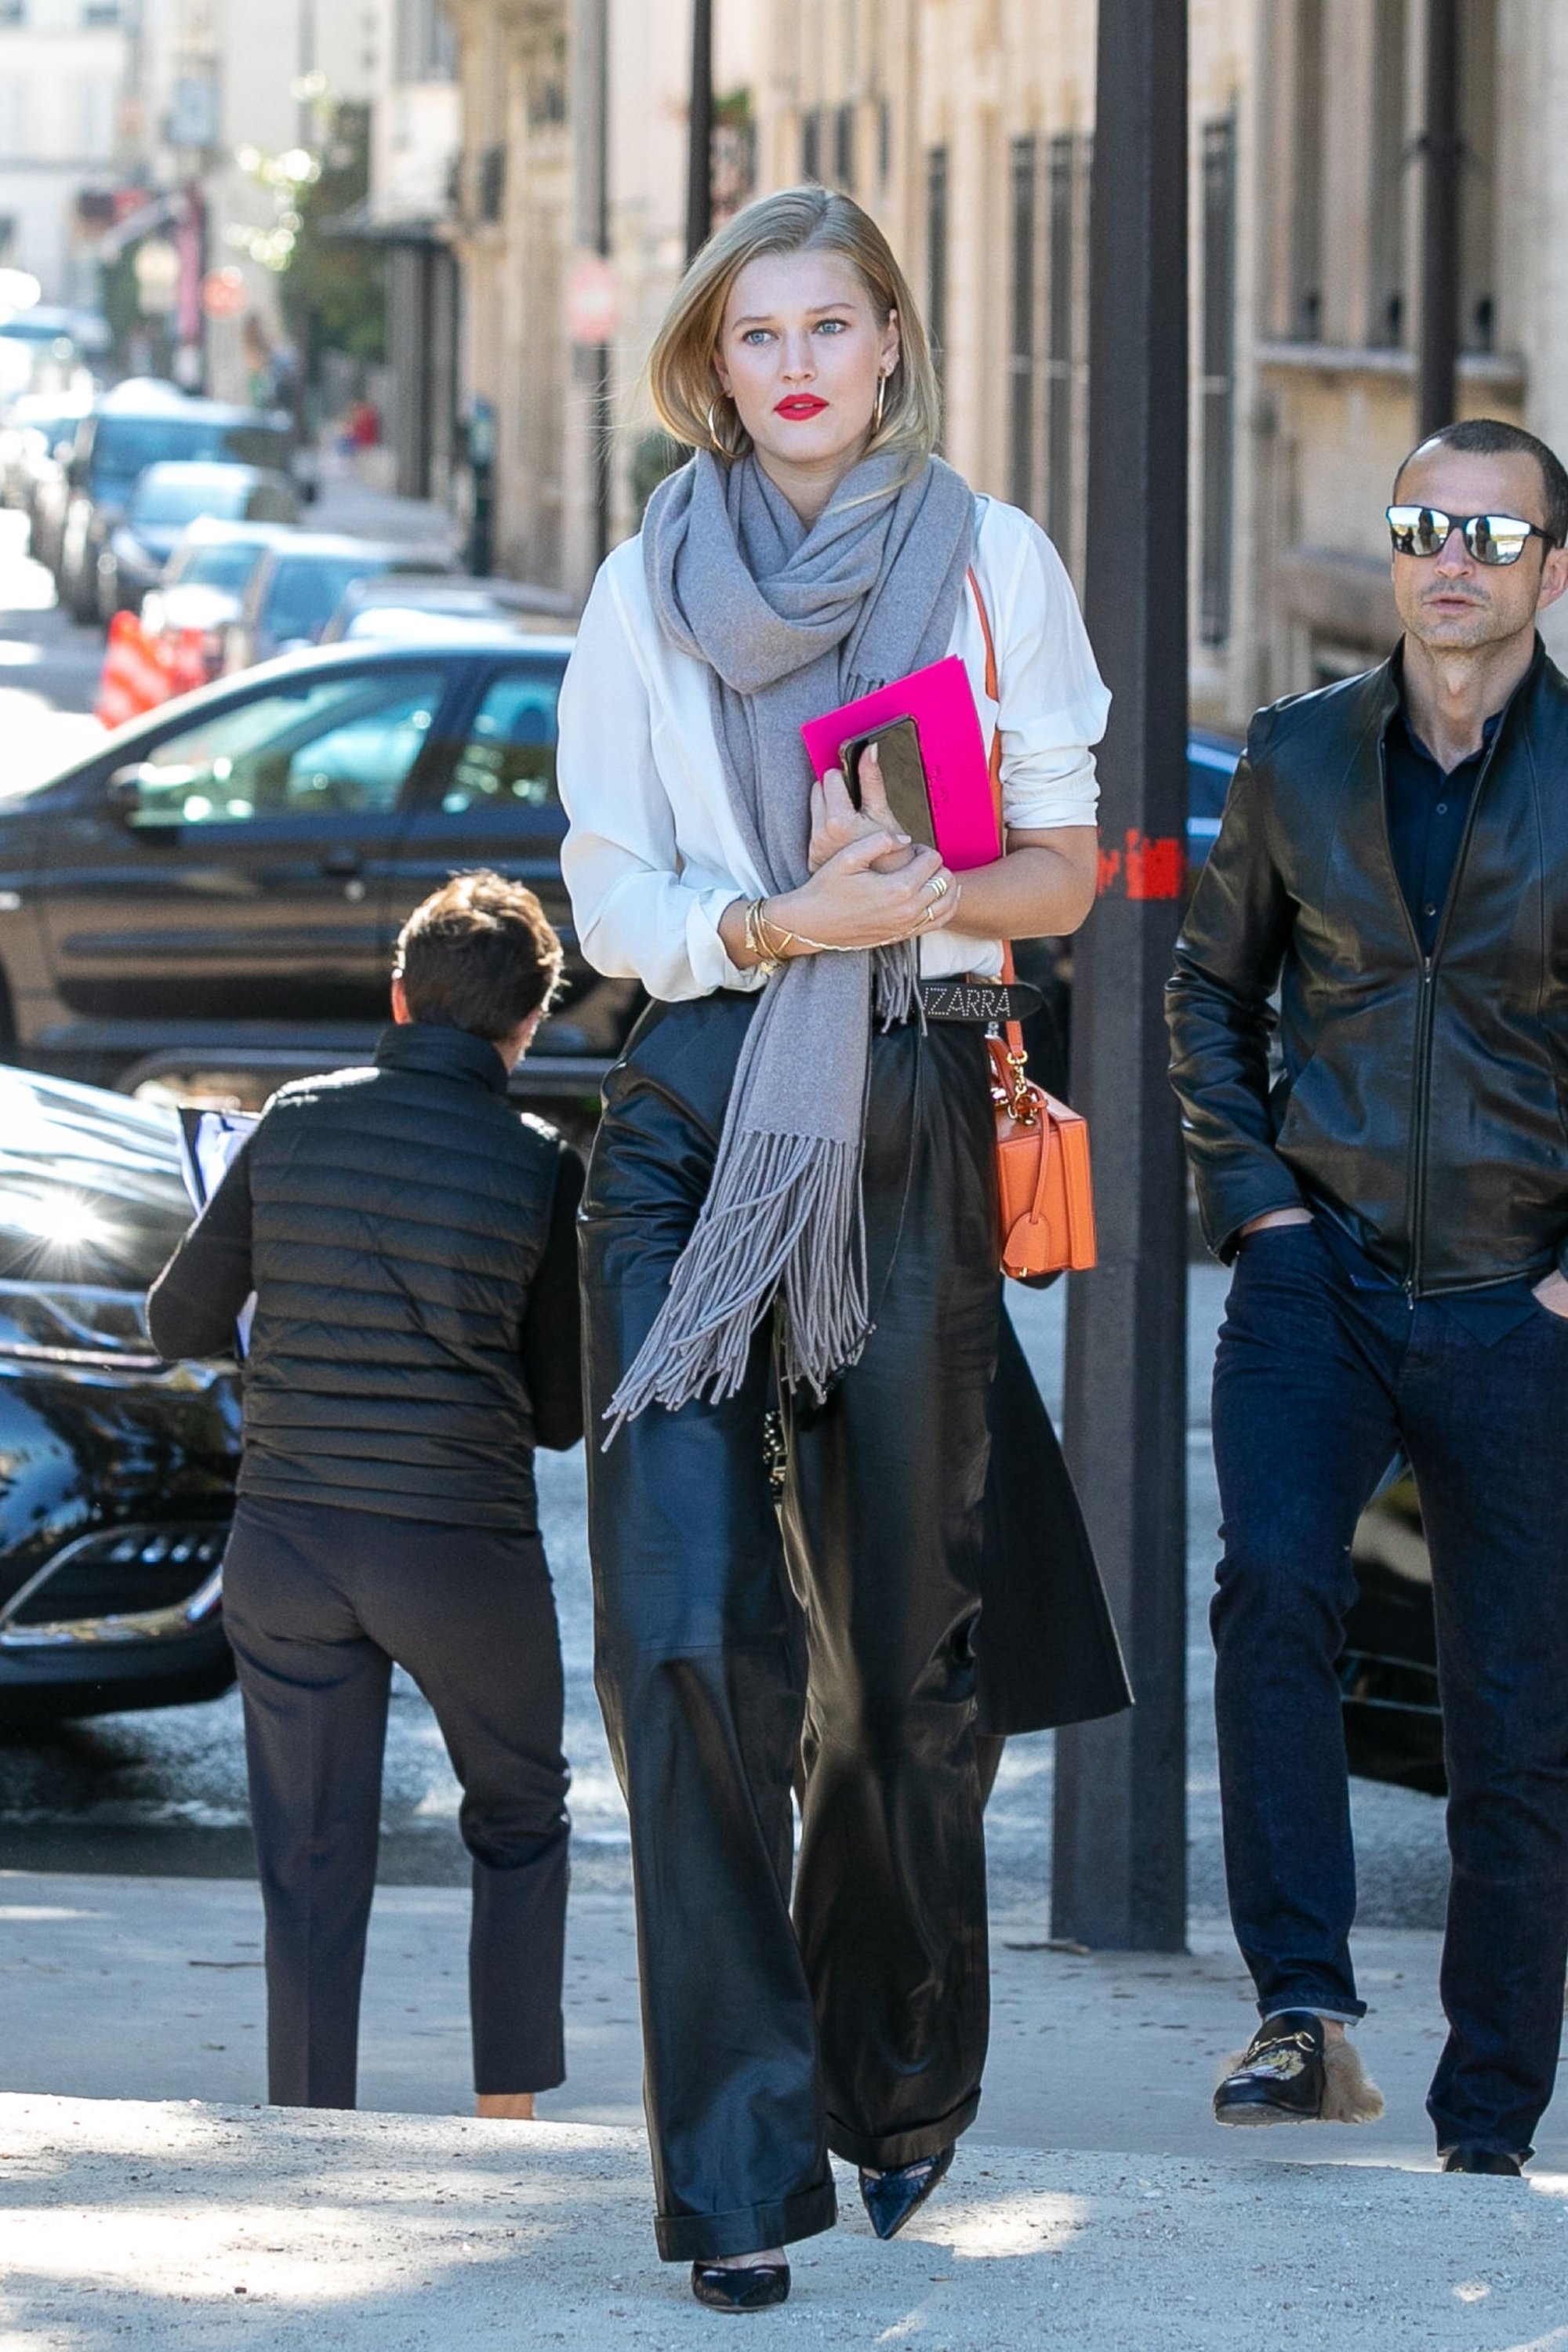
[[861, 2025]]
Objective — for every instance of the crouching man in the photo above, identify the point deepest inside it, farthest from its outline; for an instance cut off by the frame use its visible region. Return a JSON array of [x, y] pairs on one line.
[[1395, 1195], [411, 1243]]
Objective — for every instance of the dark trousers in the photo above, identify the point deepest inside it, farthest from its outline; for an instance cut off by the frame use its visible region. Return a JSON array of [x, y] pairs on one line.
[[1317, 1383], [862, 2025], [319, 1603]]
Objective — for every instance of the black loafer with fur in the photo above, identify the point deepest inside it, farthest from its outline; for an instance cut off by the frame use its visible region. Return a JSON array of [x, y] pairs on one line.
[[1290, 2073], [1482, 2160]]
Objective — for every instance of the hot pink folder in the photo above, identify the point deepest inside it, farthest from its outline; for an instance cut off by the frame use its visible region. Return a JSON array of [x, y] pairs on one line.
[[958, 778]]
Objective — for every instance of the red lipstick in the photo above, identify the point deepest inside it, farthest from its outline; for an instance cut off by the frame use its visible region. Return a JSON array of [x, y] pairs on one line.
[[800, 404]]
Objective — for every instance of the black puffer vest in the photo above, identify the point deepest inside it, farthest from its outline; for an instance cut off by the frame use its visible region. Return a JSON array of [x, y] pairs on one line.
[[398, 1216]]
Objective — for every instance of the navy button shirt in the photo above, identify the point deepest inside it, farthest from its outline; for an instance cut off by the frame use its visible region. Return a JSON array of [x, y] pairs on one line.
[[1426, 813]]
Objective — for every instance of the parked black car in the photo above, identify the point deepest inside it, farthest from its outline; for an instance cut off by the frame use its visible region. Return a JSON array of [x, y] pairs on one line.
[[290, 597], [164, 501], [116, 1469], [136, 425], [218, 888], [410, 604]]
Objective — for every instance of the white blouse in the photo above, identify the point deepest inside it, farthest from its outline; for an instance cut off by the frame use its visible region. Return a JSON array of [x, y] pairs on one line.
[[653, 855]]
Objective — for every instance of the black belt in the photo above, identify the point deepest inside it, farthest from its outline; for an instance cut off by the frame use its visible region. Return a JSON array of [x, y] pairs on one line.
[[986, 1002]]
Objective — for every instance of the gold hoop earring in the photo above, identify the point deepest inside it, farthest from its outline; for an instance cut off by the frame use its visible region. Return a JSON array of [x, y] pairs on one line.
[[881, 403]]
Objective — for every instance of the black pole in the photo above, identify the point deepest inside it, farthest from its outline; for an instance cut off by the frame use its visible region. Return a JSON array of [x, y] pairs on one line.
[[1442, 165], [1119, 1855], [700, 148]]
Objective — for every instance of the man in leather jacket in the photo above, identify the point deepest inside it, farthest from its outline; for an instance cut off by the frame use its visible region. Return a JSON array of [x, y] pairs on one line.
[[410, 1241], [1385, 1160]]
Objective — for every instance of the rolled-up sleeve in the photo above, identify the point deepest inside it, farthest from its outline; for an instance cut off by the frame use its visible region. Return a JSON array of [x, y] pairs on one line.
[[642, 911], [1054, 703]]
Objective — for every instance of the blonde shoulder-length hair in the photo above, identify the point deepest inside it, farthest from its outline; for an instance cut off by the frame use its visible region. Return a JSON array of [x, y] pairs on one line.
[[693, 405]]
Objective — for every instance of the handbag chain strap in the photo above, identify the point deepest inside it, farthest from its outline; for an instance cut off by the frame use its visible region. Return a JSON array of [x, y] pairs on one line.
[[1021, 1102]]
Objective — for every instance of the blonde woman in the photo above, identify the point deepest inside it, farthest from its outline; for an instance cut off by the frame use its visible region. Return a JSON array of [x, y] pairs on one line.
[[791, 1194]]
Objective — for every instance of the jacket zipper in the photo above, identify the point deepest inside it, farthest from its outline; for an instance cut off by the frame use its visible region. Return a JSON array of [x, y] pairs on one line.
[[1416, 1188]]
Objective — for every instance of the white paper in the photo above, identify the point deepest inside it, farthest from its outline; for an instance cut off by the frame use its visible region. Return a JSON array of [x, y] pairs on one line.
[[210, 1142]]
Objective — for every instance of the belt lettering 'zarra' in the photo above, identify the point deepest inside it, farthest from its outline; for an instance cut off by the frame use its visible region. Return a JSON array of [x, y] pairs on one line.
[[986, 1001]]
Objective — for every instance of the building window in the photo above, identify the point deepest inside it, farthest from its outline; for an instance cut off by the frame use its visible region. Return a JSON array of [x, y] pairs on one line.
[[1218, 423], [1062, 181], [1307, 224], [98, 12], [424, 47], [1385, 326], [95, 114], [491, 191], [1021, 370], [12, 12], [811, 144], [936, 252], [844, 147], [884, 141], [734, 155]]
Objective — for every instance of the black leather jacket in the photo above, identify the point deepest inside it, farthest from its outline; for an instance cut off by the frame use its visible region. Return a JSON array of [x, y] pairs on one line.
[[1422, 1101]]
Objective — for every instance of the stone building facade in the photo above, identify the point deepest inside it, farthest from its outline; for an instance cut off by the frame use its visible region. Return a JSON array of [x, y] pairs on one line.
[[968, 129], [525, 224], [967, 126]]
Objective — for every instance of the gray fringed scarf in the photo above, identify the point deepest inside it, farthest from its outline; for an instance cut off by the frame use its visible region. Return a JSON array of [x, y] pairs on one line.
[[792, 622]]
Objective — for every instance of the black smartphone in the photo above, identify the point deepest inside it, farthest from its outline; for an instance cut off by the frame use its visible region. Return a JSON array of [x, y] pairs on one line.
[[898, 748]]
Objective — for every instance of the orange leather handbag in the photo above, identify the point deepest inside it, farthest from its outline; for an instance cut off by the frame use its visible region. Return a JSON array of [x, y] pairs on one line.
[[1044, 1189]]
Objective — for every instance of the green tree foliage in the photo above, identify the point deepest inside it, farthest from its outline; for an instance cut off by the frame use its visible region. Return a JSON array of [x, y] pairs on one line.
[[332, 284]]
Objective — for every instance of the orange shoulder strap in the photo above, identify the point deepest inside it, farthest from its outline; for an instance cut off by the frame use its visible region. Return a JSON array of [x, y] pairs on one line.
[[993, 688]]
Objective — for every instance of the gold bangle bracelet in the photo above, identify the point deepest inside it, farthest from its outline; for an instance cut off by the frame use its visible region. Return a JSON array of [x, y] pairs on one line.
[[766, 960]]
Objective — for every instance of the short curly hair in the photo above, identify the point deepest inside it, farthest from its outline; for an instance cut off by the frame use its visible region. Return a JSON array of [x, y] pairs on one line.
[[479, 954]]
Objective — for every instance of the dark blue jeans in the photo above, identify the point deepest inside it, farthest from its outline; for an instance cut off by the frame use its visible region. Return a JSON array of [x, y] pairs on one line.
[[1317, 1383]]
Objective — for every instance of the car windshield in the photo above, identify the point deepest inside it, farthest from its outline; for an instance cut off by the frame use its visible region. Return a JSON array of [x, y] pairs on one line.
[[163, 501], [224, 563], [90, 1186], [124, 446], [305, 591]]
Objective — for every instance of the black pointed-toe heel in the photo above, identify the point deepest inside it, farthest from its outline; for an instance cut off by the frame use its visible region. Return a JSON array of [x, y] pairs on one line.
[[891, 2198], [729, 2287]]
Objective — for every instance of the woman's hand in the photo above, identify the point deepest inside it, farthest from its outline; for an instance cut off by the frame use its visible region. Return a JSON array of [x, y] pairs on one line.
[[851, 901], [835, 821]]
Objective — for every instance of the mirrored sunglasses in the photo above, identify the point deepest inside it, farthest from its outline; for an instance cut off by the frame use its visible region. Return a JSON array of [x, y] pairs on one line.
[[1489, 538]]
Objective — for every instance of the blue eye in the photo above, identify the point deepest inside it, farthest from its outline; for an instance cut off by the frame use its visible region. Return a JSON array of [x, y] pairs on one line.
[[831, 326], [755, 335]]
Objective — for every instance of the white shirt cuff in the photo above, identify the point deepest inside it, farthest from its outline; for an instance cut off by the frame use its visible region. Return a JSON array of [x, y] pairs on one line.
[[705, 950]]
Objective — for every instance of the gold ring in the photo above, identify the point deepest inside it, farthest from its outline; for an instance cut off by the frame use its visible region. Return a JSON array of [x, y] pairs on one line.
[[930, 911], [938, 886]]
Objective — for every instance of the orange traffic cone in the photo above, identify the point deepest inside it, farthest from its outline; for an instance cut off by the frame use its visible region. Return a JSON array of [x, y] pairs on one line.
[[133, 677]]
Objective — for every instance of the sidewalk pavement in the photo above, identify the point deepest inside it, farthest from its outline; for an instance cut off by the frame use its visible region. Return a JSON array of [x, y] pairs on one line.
[[152, 1988], [202, 2226], [345, 502], [1094, 2203]]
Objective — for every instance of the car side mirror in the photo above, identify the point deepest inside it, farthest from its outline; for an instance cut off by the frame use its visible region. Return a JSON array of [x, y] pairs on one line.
[[124, 792]]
